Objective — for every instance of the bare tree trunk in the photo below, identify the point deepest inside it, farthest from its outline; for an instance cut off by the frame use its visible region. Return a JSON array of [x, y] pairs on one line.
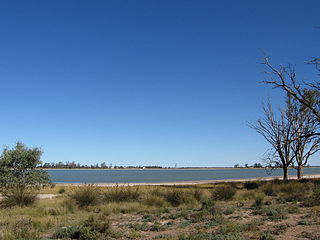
[[299, 172], [285, 173]]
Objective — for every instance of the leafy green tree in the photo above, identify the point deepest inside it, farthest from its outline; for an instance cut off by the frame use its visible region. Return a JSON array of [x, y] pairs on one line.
[[20, 179]]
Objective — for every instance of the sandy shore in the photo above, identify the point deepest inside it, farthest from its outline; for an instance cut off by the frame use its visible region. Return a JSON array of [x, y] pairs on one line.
[[42, 196], [187, 182]]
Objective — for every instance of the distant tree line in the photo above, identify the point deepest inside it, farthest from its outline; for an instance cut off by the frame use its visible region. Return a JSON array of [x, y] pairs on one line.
[[74, 165], [246, 165]]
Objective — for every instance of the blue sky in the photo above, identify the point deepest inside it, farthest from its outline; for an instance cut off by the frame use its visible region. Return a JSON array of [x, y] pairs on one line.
[[145, 82]]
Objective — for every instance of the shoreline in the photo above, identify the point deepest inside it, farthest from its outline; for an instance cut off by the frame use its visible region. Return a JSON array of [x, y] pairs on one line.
[[307, 176], [182, 168], [187, 168]]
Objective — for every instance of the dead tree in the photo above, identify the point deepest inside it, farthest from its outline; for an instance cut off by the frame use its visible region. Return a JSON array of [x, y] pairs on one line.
[[285, 78], [278, 131], [306, 98], [304, 142]]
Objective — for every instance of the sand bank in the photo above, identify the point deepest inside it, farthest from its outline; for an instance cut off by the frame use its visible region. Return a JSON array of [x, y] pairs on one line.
[[188, 182]]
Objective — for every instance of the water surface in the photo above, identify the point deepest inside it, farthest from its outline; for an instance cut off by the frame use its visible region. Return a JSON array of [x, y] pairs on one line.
[[163, 175]]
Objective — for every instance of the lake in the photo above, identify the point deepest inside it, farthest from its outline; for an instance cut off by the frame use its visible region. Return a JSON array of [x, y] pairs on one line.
[[163, 175]]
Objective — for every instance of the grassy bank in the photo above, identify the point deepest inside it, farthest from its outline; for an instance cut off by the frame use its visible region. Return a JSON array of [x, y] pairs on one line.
[[237, 210]]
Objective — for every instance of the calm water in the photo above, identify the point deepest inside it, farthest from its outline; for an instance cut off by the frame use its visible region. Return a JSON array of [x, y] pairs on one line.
[[156, 176]]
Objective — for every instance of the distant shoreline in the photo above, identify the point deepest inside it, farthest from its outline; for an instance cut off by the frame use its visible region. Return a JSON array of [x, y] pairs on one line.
[[307, 176], [186, 168], [191, 168]]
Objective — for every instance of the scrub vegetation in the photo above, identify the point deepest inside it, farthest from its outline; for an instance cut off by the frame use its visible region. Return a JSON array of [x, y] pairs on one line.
[[241, 210]]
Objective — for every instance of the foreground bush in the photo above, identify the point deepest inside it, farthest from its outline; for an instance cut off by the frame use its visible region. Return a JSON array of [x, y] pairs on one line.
[[122, 194], [21, 228], [20, 179], [199, 194], [274, 213], [289, 191], [93, 228], [269, 189], [177, 197], [86, 195], [61, 190], [258, 200], [156, 201], [225, 192], [294, 191], [314, 199], [211, 207], [17, 196], [251, 185]]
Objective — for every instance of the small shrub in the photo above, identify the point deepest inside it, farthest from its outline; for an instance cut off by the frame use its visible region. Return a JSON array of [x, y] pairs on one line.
[[316, 196], [258, 201], [69, 205], [99, 224], [314, 199], [266, 236], [122, 194], [196, 217], [70, 232], [274, 213], [310, 235], [225, 192], [140, 227], [207, 205], [293, 191], [93, 228], [61, 190], [304, 222], [210, 236], [86, 195], [198, 194], [251, 185], [279, 229], [268, 189], [231, 227], [154, 201], [289, 191], [134, 235], [211, 207], [85, 233], [276, 181], [52, 211], [315, 214], [156, 191], [293, 209], [229, 211], [148, 218], [157, 227], [22, 228], [14, 196], [247, 195], [252, 226], [176, 197], [240, 204]]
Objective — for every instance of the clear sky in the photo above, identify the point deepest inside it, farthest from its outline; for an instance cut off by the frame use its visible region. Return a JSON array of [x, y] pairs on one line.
[[154, 82]]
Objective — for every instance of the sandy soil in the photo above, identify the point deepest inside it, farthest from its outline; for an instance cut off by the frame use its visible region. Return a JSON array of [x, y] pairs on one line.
[[46, 196], [187, 182], [42, 196]]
